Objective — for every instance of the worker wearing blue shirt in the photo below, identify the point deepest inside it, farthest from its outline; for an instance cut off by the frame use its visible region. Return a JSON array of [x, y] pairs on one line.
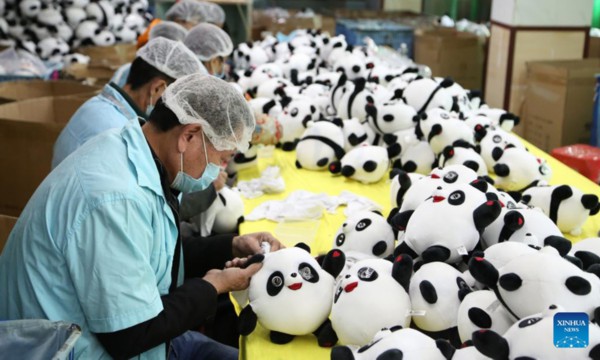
[[98, 243], [157, 64]]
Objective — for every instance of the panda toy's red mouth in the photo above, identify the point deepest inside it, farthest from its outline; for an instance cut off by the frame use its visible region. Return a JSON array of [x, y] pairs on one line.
[[295, 286], [438, 198], [351, 286], [435, 176]]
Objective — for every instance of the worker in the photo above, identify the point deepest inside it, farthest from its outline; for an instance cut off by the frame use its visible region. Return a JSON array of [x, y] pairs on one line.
[[190, 13], [98, 243], [211, 45], [157, 64]]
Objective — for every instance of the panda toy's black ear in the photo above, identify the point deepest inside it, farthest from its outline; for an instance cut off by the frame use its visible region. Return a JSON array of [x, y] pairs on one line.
[[447, 82], [402, 270], [490, 344], [445, 348], [247, 321], [338, 122], [448, 152], [394, 150], [509, 117], [334, 262], [480, 184], [488, 179], [562, 245], [335, 167], [483, 271], [587, 258], [303, 246], [398, 94], [341, 353], [590, 202], [594, 269], [390, 139], [485, 214]]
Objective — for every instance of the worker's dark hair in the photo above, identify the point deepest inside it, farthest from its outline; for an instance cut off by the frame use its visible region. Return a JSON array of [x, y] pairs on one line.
[[162, 117], [142, 73]]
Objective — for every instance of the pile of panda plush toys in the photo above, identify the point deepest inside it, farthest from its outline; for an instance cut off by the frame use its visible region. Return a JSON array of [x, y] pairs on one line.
[[463, 267], [50, 29]]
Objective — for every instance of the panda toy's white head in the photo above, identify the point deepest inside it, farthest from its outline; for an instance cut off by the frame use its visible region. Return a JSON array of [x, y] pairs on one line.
[[459, 95], [295, 119], [243, 160], [290, 295], [567, 206], [297, 63], [493, 140], [319, 94], [400, 183], [371, 295], [469, 353], [437, 289], [100, 11], [249, 55], [397, 344], [270, 107], [426, 94], [500, 118], [272, 88], [514, 224], [279, 51], [518, 169], [391, 116], [353, 65], [463, 155], [365, 163], [482, 310], [353, 102], [29, 8], [533, 337], [76, 58], [354, 133], [363, 235], [418, 158], [335, 42], [525, 290], [124, 34], [52, 49], [448, 225], [441, 129], [321, 144], [402, 139], [229, 211]]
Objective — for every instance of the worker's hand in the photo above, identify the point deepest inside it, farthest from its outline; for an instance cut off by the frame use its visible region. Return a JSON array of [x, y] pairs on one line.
[[237, 262], [220, 180], [231, 279], [250, 244]]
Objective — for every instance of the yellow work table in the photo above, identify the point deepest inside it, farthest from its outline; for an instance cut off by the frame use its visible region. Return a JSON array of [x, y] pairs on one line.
[[257, 345]]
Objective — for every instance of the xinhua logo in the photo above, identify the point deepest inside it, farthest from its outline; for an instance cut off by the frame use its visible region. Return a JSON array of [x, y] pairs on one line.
[[571, 330]]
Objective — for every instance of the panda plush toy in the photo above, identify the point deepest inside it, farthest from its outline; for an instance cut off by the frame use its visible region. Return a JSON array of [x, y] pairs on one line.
[[390, 117], [354, 133], [425, 94], [517, 169], [505, 120], [353, 102], [441, 129], [294, 120], [242, 160], [463, 155], [321, 145], [493, 138], [371, 295], [460, 213], [566, 205], [353, 64], [436, 290], [397, 343], [224, 215], [482, 310], [271, 89], [400, 183], [524, 290], [291, 294], [532, 338], [364, 235], [365, 163], [418, 157]]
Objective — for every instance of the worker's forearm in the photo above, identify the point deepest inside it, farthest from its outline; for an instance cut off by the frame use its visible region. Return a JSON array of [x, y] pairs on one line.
[[188, 307]]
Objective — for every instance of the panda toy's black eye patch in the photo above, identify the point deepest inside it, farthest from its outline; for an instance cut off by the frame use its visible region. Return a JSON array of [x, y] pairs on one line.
[[322, 162], [363, 224], [308, 273], [578, 285], [529, 322], [294, 112], [339, 240], [428, 292], [388, 118], [367, 274], [451, 177], [496, 139], [510, 282], [456, 198], [370, 166], [480, 318], [275, 283]]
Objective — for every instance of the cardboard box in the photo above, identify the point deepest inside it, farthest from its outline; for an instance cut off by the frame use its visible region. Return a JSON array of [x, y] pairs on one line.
[[594, 47], [94, 75], [28, 130], [450, 53], [263, 22], [6, 225], [111, 57], [559, 102], [30, 89]]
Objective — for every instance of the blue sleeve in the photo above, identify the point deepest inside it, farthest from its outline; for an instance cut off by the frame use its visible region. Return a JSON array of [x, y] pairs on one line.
[[108, 256]]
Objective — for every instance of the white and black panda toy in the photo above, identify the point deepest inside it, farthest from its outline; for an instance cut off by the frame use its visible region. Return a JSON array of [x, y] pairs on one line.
[[365, 163], [441, 129], [533, 338], [291, 294], [566, 205], [448, 225], [364, 235], [418, 157], [425, 94], [353, 102], [321, 144], [371, 295], [354, 133], [404, 139], [466, 155], [482, 310], [505, 120], [391, 116], [397, 343], [524, 289], [294, 120], [436, 290], [492, 140], [401, 181], [517, 169]]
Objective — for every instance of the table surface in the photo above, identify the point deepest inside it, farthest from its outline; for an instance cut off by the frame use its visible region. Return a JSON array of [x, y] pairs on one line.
[[257, 345]]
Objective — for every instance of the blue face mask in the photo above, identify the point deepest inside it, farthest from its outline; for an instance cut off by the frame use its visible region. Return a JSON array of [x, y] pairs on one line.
[[187, 184]]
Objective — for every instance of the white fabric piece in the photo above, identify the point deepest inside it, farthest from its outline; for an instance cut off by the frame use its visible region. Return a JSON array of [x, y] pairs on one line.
[[305, 205], [269, 182]]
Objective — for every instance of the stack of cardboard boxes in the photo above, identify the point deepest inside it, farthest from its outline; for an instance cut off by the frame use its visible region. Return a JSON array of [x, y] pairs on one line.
[[104, 61]]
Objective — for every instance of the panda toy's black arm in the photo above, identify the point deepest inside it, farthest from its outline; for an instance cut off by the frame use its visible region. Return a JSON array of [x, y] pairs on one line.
[[247, 321], [490, 344], [333, 263], [402, 270], [485, 214], [400, 220]]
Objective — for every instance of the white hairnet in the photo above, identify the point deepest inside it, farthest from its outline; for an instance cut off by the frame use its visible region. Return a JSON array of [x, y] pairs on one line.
[[187, 10], [168, 29], [223, 113], [214, 13], [208, 41], [170, 57]]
